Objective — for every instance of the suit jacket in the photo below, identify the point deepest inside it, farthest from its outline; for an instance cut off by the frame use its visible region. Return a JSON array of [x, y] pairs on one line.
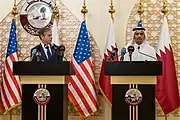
[[40, 56]]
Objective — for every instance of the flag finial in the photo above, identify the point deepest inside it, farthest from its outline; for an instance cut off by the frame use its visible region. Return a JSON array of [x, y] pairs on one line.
[[112, 10], [84, 9], [164, 9], [140, 8], [14, 10]]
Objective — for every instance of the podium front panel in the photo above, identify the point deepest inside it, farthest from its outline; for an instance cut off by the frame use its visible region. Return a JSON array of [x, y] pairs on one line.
[[55, 109], [133, 79], [121, 110], [44, 79]]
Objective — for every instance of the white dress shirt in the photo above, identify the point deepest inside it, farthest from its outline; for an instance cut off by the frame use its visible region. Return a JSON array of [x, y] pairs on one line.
[[45, 50]]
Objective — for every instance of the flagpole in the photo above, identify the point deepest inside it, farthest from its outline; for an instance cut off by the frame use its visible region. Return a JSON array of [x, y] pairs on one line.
[[55, 14], [140, 9], [164, 11], [82, 90], [14, 13], [165, 117], [112, 10], [108, 107], [84, 9], [167, 84], [14, 10], [10, 114], [134, 112], [55, 28]]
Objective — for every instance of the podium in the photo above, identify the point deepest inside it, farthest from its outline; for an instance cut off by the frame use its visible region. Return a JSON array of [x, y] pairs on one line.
[[131, 79], [37, 76]]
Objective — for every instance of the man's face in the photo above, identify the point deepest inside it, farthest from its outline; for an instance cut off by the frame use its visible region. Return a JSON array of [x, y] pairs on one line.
[[47, 37], [139, 37]]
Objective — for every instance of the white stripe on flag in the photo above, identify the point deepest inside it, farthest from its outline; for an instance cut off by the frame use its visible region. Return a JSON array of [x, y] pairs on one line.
[[15, 56], [78, 99], [10, 81], [85, 94], [89, 69], [8, 94], [3, 100], [83, 75]]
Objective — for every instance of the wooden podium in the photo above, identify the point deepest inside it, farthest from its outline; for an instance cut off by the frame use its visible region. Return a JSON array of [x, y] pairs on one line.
[[53, 77], [127, 78]]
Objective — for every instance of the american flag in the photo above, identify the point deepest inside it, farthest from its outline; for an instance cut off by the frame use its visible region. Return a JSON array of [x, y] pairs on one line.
[[81, 87], [10, 86]]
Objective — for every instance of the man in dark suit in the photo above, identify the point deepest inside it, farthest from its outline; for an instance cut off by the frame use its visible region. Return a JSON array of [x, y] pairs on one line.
[[45, 51]]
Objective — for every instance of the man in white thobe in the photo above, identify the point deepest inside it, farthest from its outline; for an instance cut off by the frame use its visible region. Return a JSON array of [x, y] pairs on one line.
[[142, 49]]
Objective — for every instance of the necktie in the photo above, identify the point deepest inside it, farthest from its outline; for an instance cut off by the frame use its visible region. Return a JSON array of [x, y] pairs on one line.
[[48, 52]]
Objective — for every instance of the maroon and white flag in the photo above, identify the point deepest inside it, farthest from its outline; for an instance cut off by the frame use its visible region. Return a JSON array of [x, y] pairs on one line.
[[167, 87], [105, 81]]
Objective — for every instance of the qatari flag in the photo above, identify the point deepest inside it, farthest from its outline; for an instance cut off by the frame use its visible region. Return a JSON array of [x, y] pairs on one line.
[[167, 87]]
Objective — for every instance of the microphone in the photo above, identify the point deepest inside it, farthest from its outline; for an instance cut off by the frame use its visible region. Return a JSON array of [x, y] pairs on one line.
[[115, 50], [35, 55], [38, 55], [146, 54], [33, 52], [123, 52], [54, 47], [59, 50], [130, 50], [113, 53]]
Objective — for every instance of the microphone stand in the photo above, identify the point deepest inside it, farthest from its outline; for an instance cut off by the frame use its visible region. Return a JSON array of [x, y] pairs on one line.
[[123, 52], [112, 56], [122, 58], [60, 55], [130, 50], [27, 58], [130, 56], [146, 54], [38, 58]]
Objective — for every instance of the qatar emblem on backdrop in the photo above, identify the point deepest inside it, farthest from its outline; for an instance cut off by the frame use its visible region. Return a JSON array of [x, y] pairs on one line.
[[41, 96], [133, 97], [36, 14]]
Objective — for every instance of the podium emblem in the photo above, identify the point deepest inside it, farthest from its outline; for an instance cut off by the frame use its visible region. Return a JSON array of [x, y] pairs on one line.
[[36, 14], [133, 97], [41, 96]]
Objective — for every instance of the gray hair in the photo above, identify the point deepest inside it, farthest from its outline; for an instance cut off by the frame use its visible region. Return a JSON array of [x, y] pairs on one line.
[[43, 30]]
